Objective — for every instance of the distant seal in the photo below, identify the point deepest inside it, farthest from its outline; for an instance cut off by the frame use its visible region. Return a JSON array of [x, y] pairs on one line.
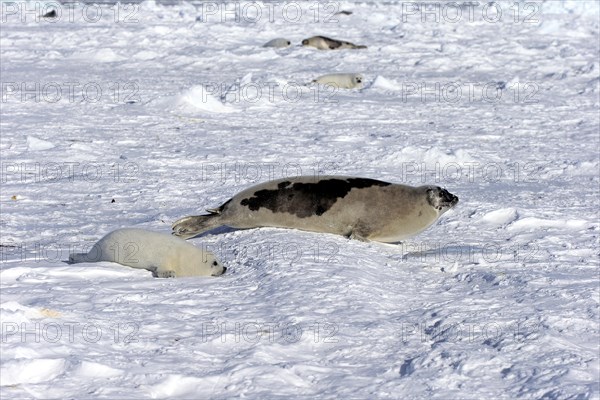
[[325, 43], [278, 43], [360, 208], [50, 14], [166, 256], [341, 81]]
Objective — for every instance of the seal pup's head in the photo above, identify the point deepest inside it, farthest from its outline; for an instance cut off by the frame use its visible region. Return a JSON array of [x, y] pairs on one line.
[[216, 269], [440, 199]]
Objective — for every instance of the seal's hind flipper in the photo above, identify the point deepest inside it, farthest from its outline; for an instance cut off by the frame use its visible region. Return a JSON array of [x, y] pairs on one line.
[[188, 227], [219, 210], [75, 258]]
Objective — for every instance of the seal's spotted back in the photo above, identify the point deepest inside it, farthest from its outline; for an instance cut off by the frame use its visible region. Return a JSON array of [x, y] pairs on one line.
[[306, 199]]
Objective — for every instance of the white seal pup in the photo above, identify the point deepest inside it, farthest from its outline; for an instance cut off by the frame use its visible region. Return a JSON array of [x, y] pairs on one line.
[[341, 81], [278, 43], [166, 256], [325, 43], [360, 208]]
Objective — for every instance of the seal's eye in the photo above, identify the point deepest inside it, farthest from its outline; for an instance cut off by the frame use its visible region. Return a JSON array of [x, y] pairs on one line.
[[215, 263]]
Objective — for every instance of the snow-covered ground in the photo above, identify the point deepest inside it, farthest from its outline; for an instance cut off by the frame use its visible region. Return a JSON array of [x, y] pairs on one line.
[[134, 116]]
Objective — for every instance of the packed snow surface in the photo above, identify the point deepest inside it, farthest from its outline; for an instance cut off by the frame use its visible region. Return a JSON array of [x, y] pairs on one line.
[[119, 115]]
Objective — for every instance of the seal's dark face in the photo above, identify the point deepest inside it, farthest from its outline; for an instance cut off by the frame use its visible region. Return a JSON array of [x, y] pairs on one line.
[[305, 42], [441, 199]]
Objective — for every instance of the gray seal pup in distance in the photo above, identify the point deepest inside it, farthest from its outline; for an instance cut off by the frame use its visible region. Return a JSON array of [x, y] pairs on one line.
[[166, 256], [359, 208], [278, 43], [325, 43], [341, 81]]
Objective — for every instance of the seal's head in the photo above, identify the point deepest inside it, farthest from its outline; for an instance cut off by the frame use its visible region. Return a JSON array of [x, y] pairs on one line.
[[305, 42], [358, 79], [216, 268], [440, 199]]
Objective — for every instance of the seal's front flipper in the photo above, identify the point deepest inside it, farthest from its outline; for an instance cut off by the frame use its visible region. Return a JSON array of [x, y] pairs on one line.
[[165, 274], [360, 231], [75, 258], [188, 227], [357, 236]]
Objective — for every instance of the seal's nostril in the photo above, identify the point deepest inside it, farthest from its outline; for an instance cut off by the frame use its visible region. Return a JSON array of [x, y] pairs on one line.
[[224, 270]]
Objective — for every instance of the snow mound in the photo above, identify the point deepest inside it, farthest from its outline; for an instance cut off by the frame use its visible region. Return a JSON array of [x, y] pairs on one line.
[[197, 98], [16, 372], [501, 217], [90, 369], [99, 56], [385, 84], [433, 155], [35, 144], [534, 223], [145, 55], [13, 311], [179, 385]]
